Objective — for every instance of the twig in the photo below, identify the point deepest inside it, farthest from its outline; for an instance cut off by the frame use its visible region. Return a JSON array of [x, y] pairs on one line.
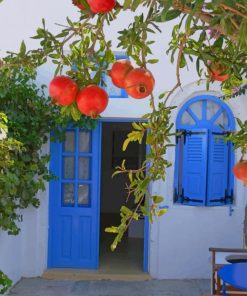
[[204, 17], [226, 7], [180, 52], [234, 23], [240, 5], [99, 30]]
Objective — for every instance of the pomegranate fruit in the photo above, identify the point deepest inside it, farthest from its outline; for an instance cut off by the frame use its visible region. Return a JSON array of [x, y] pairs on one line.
[[240, 171], [119, 71], [78, 4], [139, 83], [215, 72], [92, 100], [98, 6], [63, 90]]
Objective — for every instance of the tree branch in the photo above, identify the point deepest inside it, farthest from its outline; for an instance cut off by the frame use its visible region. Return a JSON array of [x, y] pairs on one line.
[[226, 7], [204, 17], [178, 84]]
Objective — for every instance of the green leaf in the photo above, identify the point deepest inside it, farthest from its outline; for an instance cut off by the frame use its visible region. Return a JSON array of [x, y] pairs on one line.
[[127, 4], [125, 144], [23, 49], [153, 61], [170, 15], [135, 4], [167, 6], [112, 229], [161, 212], [197, 6], [75, 113], [182, 62], [137, 126], [144, 211], [157, 199], [188, 24]]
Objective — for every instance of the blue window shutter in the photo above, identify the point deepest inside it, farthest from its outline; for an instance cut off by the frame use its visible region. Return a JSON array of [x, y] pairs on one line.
[[218, 167], [194, 174]]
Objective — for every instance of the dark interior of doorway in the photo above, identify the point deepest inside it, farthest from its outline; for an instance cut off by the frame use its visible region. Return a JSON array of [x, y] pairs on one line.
[[128, 257]]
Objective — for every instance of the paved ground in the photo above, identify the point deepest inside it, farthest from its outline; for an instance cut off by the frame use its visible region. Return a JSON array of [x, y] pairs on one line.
[[42, 287]]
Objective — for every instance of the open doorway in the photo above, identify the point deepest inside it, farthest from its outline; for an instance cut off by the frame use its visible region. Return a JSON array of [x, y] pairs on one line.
[[129, 255]]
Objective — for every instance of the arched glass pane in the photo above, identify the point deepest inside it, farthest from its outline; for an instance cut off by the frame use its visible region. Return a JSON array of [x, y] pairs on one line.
[[222, 120], [187, 119], [196, 108], [212, 109]]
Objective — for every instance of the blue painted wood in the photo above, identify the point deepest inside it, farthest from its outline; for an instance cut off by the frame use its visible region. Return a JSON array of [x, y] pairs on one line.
[[146, 246], [195, 168], [234, 274], [218, 167], [205, 122], [74, 227], [217, 158], [146, 228]]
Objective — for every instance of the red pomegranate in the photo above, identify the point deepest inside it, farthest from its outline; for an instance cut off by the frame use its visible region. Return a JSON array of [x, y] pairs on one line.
[[98, 6], [215, 72], [139, 83], [240, 171], [63, 90], [92, 100], [119, 71], [78, 4]]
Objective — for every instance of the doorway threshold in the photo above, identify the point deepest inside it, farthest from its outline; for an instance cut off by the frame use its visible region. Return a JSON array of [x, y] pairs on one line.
[[92, 275]]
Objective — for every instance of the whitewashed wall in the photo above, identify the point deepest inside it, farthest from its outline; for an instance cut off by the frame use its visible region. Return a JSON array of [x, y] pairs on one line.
[[25, 255], [179, 241]]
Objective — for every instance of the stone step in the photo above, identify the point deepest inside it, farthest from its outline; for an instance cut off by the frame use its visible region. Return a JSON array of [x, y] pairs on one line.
[[92, 275]]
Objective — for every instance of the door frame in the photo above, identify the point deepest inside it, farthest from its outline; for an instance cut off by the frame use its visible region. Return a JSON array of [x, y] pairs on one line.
[[146, 219]]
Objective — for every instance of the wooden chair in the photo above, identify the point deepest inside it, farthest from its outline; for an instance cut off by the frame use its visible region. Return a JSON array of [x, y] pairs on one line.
[[216, 283]]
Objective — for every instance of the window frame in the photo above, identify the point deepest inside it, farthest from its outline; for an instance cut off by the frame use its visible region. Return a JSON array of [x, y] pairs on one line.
[[203, 123]]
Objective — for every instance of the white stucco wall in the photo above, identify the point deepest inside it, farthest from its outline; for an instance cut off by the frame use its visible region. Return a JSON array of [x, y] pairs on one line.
[[181, 238], [179, 241], [25, 255]]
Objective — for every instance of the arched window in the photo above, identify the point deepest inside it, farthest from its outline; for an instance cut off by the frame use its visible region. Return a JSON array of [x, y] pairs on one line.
[[204, 160]]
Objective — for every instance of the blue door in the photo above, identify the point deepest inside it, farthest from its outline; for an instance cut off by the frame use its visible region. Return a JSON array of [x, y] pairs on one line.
[[74, 200]]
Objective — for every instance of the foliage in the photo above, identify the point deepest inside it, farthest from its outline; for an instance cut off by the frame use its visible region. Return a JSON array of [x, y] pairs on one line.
[[239, 138], [30, 118], [5, 283], [8, 147], [205, 31]]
